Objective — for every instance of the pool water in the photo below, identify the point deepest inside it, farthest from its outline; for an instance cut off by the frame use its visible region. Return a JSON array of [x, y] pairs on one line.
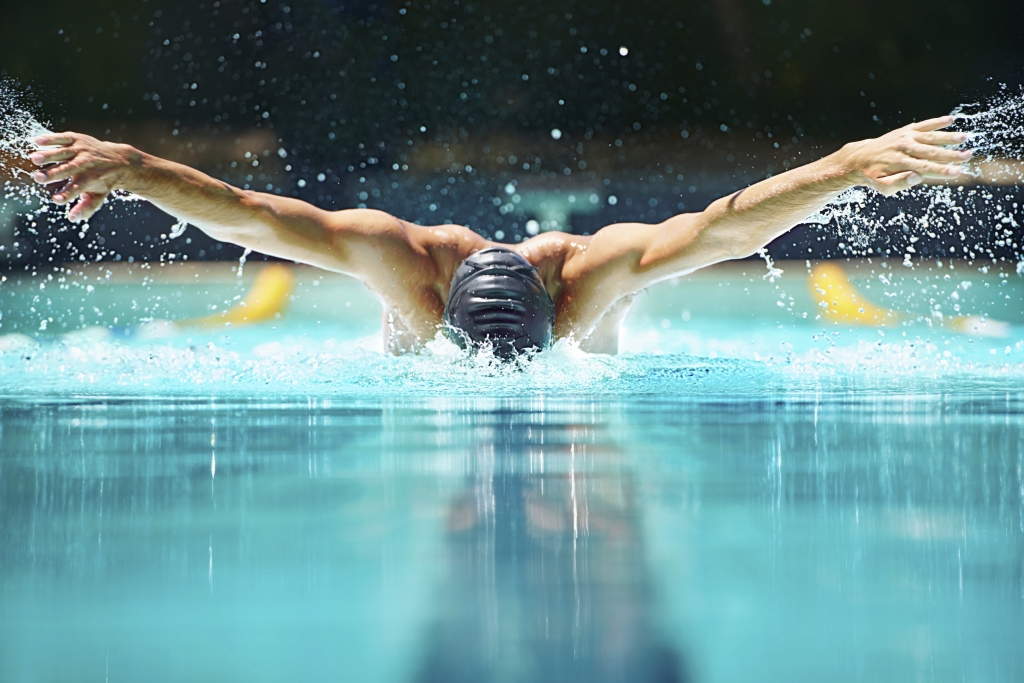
[[744, 493]]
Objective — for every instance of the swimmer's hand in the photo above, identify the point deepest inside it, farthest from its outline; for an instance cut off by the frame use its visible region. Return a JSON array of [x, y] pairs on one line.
[[906, 156], [91, 168]]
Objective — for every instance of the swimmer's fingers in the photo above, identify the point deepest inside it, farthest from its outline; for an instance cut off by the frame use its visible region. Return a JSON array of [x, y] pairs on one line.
[[53, 174], [68, 193], [78, 169], [87, 182], [940, 154], [943, 138], [51, 156], [928, 169], [51, 139], [86, 207], [890, 185], [932, 124]]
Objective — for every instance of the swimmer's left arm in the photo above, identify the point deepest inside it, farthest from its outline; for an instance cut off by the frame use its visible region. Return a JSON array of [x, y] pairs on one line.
[[741, 223]]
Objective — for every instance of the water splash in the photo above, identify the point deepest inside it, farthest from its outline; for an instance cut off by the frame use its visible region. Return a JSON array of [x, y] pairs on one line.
[[996, 129], [982, 219], [241, 261], [773, 273], [178, 229], [846, 206], [19, 127], [26, 206]]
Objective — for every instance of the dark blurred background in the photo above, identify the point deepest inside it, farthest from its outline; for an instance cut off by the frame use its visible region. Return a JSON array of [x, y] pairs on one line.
[[508, 117]]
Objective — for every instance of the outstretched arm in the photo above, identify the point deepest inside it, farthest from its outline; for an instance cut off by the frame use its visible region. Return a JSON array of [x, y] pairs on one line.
[[368, 244], [738, 225]]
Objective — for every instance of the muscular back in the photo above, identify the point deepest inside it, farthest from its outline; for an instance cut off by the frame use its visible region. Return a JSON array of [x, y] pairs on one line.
[[588, 282]]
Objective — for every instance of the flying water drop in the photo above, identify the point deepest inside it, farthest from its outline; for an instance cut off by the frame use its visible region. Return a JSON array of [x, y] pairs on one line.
[[241, 262], [178, 229], [773, 272]]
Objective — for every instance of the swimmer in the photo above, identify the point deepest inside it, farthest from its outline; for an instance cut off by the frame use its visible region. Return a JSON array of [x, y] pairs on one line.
[[512, 296]]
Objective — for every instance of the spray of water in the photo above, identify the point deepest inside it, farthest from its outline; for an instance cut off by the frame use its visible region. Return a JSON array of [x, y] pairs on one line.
[[18, 126], [18, 129], [241, 262], [177, 230], [996, 127], [30, 220], [980, 212], [774, 272]]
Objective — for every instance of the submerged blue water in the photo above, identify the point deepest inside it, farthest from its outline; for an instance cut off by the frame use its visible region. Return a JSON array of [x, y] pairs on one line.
[[744, 493], [538, 539]]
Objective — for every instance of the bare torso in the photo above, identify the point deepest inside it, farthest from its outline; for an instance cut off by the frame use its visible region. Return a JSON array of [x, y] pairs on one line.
[[592, 280]]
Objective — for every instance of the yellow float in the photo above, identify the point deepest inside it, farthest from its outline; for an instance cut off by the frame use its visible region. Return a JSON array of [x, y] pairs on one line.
[[841, 303]]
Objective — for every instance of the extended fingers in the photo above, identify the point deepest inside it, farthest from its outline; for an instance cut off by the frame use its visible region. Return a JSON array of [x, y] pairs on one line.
[[941, 138], [890, 185], [940, 154], [49, 156], [53, 174], [929, 169], [68, 193], [51, 139], [84, 209], [932, 124]]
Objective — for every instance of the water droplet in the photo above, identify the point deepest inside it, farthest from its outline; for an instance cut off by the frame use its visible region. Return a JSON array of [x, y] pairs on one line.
[[178, 229], [241, 261]]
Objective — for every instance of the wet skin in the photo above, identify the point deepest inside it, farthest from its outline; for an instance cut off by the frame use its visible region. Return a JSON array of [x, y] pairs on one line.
[[591, 279]]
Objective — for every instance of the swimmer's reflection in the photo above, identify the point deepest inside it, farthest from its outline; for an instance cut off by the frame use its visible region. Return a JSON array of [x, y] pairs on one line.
[[547, 582]]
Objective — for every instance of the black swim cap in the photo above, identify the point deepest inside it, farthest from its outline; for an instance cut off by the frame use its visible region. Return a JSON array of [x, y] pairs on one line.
[[496, 296]]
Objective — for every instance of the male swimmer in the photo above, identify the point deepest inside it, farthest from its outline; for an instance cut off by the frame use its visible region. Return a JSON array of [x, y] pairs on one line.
[[511, 296]]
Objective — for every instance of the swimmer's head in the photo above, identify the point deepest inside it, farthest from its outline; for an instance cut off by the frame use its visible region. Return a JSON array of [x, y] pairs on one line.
[[498, 298]]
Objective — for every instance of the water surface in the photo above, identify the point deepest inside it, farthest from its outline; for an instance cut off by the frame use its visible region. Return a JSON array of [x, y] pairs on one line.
[[513, 539], [744, 493]]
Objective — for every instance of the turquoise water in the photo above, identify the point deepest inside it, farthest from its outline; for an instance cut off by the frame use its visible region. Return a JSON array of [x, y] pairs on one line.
[[744, 493], [726, 331]]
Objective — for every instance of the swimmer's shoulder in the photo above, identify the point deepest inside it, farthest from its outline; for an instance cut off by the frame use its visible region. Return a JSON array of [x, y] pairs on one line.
[[455, 239], [554, 255], [553, 250], [370, 222], [550, 246], [447, 245]]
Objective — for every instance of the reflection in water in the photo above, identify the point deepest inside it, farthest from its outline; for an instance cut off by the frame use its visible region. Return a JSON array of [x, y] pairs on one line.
[[543, 572], [804, 538], [545, 576]]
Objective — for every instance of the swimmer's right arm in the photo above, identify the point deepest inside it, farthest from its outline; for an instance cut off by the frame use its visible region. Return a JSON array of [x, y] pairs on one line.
[[358, 241]]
